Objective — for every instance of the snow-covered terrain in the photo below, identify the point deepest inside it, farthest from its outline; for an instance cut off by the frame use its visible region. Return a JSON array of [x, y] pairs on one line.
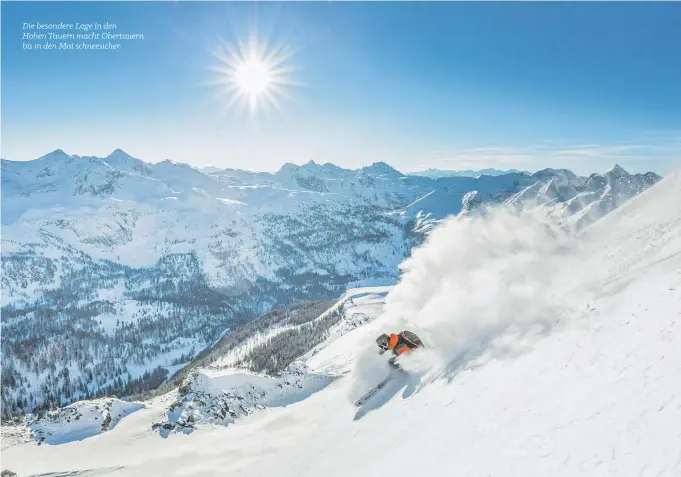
[[219, 393], [545, 355], [81, 420], [74, 422], [220, 397], [137, 267]]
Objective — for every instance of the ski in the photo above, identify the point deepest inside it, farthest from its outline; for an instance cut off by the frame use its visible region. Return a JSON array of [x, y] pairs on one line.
[[361, 401]]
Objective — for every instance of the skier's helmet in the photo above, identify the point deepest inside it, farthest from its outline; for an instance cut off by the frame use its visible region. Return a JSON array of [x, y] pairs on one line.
[[383, 341]]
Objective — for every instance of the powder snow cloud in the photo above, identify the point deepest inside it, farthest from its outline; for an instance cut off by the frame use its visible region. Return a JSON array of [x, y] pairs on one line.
[[478, 287]]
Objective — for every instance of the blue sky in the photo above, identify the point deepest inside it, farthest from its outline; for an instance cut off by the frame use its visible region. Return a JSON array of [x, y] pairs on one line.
[[447, 85]]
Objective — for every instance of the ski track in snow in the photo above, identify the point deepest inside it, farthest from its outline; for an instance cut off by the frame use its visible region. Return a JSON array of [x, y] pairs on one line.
[[598, 395]]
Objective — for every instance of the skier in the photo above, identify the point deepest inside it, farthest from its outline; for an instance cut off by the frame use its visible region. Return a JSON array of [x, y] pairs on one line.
[[403, 342], [399, 344]]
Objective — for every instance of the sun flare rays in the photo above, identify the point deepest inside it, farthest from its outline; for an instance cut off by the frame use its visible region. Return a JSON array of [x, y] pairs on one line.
[[253, 74]]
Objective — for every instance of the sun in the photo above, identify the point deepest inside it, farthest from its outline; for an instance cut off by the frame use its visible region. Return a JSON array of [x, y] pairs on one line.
[[253, 77], [253, 74]]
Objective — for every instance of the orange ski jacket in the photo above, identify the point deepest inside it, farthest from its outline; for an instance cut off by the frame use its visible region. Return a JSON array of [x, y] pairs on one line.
[[401, 343]]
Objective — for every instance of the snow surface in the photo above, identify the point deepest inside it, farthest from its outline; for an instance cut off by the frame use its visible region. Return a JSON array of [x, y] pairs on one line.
[[544, 357], [220, 396], [81, 420]]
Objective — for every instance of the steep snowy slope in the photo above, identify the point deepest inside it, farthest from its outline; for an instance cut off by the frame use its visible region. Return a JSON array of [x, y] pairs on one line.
[[140, 266], [576, 375]]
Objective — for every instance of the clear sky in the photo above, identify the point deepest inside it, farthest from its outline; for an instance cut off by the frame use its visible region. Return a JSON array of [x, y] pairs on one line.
[[446, 85]]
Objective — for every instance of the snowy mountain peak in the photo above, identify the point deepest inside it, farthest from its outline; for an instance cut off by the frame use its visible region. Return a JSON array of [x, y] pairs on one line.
[[617, 171], [56, 155], [382, 168], [287, 168], [561, 173], [328, 166], [617, 175], [170, 162], [119, 153], [124, 162]]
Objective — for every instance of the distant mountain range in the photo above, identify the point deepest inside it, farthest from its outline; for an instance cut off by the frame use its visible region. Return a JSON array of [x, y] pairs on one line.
[[438, 173], [116, 272]]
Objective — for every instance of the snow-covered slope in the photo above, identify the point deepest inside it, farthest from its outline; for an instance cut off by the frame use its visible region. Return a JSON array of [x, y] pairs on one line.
[[81, 420], [220, 397], [74, 422], [221, 392], [140, 266], [522, 376]]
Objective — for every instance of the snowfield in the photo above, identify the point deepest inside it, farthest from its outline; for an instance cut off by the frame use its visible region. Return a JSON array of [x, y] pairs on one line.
[[75, 422], [82, 419], [544, 357]]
